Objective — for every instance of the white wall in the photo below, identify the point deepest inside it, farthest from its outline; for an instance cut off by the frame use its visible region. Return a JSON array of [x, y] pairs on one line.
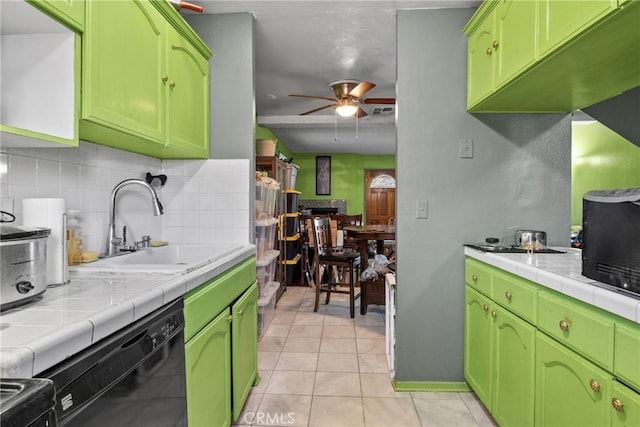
[[205, 200], [519, 177]]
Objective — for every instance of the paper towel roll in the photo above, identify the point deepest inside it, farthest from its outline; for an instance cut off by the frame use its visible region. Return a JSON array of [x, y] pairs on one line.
[[50, 213]]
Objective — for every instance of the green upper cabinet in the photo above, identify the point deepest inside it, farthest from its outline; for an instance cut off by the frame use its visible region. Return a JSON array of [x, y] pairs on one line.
[[502, 42], [188, 81], [69, 12], [40, 91], [480, 58], [562, 20], [123, 68], [145, 84], [515, 42], [554, 55]]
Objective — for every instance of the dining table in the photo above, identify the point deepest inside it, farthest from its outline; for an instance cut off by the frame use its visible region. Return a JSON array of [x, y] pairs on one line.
[[372, 291]]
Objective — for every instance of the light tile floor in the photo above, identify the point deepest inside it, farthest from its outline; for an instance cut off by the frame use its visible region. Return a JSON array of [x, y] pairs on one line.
[[326, 369]]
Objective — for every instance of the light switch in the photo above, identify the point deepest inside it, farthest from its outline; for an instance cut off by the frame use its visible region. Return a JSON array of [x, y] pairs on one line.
[[466, 148], [422, 209]]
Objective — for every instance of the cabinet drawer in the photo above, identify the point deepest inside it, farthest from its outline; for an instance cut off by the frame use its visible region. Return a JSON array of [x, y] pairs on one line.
[[516, 294], [205, 302], [627, 353], [478, 275], [586, 329]]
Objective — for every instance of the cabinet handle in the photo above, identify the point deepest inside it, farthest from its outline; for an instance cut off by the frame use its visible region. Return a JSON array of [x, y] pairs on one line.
[[493, 314], [240, 312], [495, 44], [485, 307], [507, 295], [165, 78], [594, 385], [230, 318], [172, 84], [564, 325], [489, 51], [474, 278], [617, 404]]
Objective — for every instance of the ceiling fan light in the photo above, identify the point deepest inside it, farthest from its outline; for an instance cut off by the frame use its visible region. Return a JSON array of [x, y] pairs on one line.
[[346, 109]]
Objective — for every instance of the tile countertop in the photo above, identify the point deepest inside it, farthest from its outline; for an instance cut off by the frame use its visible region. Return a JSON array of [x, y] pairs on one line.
[[563, 273], [92, 306]]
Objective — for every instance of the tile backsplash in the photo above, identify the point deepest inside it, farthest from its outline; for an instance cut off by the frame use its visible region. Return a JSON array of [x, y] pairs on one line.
[[205, 201]]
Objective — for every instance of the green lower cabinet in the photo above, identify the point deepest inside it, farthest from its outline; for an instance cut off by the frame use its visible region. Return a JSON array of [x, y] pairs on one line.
[[570, 391], [221, 346], [244, 347], [208, 374], [478, 344], [625, 406], [499, 359], [514, 364]]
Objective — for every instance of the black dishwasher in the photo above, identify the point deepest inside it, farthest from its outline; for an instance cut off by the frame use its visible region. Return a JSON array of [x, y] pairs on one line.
[[134, 377]]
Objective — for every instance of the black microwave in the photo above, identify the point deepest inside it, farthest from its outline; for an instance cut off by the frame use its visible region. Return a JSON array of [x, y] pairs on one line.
[[611, 238]]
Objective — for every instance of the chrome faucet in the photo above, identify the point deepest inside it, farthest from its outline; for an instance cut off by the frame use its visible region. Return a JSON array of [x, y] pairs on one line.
[[114, 242]]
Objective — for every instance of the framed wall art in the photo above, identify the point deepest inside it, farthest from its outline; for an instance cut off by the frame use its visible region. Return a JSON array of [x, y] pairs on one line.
[[323, 175]]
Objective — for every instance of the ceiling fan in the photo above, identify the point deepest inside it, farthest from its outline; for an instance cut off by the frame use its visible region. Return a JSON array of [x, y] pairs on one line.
[[348, 94]]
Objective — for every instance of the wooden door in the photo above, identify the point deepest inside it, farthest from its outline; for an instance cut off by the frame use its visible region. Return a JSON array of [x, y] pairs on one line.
[[380, 196]]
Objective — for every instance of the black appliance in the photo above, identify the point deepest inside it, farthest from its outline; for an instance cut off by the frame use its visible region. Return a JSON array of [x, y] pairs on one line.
[[611, 238], [324, 211], [27, 402], [135, 377], [511, 249]]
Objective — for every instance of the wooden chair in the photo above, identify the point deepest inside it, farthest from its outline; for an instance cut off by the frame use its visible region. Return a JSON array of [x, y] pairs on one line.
[[344, 220], [325, 259]]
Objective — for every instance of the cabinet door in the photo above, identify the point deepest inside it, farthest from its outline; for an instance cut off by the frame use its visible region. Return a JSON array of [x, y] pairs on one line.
[[480, 57], [70, 12], [570, 391], [514, 367], [123, 58], [626, 365], [515, 46], [625, 406], [188, 103], [244, 347], [561, 20], [478, 344], [208, 372]]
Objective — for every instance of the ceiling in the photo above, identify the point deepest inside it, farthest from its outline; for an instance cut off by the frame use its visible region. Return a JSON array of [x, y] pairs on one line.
[[302, 46]]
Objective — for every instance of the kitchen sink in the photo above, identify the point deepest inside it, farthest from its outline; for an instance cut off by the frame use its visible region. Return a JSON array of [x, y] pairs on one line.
[[164, 259]]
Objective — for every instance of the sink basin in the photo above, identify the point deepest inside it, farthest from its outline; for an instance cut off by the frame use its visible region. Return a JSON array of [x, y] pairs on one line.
[[164, 259]]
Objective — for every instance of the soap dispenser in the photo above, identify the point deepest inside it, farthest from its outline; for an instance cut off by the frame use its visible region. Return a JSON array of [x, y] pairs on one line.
[[74, 238]]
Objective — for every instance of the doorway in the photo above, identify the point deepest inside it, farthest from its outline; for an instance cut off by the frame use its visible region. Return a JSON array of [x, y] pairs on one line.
[[380, 196]]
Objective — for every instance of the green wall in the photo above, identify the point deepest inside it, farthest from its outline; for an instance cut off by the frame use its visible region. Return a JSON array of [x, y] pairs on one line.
[[601, 160], [347, 176], [265, 133]]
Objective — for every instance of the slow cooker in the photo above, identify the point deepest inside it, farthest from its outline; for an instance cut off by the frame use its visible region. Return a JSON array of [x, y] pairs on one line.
[[23, 268]]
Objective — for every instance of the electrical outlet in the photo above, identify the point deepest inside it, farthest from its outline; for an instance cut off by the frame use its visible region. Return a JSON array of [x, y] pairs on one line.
[[466, 148], [422, 209]]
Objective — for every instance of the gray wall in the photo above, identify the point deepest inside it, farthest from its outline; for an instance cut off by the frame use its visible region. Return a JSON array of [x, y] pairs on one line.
[[232, 108], [519, 177], [232, 85]]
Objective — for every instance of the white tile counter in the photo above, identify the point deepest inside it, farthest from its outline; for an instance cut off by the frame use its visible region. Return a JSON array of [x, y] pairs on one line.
[[92, 306], [563, 273]]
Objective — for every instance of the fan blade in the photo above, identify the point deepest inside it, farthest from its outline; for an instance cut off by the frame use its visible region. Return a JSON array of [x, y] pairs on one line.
[[314, 97], [316, 109], [361, 113], [361, 89], [378, 101]]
